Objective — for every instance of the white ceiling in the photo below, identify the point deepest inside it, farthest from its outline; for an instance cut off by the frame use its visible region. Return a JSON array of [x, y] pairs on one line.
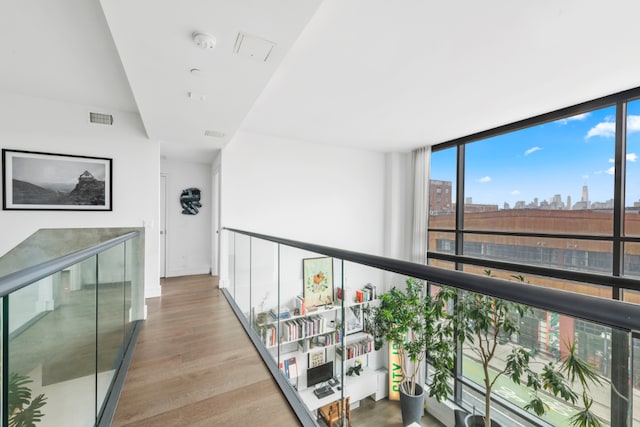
[[372, 74]]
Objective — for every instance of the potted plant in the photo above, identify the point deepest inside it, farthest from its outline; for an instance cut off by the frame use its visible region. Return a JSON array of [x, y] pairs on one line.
[[480, 323], [23, 411], [406, 320]]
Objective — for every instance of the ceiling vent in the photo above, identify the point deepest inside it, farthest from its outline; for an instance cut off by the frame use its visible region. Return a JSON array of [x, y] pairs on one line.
[[102, 119], [253, 47], [214, 133]]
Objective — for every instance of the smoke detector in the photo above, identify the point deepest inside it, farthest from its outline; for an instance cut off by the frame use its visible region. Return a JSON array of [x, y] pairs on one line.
[[204, 40]]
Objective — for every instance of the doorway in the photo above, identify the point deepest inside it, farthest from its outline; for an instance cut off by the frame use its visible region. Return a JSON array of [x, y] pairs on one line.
[[163, 225]]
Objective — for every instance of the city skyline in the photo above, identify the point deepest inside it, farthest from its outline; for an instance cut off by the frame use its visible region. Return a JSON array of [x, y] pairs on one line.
[[547, 160]]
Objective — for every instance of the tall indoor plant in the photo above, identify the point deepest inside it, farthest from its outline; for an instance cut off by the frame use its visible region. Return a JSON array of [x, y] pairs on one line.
[[24, 411], [406, 320], [479, 323]]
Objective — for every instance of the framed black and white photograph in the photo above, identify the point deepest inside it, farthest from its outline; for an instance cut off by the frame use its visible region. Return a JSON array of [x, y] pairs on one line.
[[48, 181], [354, 319]]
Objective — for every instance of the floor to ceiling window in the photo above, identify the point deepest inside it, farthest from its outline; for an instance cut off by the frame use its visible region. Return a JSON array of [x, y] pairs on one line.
[[555, 199]]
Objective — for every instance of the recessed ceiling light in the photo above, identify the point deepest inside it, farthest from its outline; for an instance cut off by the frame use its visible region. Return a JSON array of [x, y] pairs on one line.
[[204, 40]]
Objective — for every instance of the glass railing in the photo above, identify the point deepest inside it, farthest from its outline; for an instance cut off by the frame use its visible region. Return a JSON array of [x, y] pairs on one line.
[[68, 318], [308, 310]]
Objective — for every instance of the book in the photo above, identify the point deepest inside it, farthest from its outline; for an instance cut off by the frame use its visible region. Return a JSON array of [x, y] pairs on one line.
[[283, 313], [300, 305], [372, 290], [291, 368]]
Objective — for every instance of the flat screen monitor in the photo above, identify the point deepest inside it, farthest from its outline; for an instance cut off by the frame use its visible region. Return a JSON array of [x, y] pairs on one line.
[[319, 374]]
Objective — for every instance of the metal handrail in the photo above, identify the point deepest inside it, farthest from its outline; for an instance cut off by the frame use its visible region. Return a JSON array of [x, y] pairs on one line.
[[613, 313], [19, 279]]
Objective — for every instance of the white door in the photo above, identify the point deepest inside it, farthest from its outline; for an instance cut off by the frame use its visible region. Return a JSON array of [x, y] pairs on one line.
[[163, 226], [215, 238]]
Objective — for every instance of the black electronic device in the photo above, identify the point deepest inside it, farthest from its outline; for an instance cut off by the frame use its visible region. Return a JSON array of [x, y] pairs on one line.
[[323, 391], [319, 374]]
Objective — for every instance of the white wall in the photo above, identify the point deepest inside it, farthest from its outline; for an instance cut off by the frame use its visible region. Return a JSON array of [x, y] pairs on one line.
[[309, 192], [35, 124], [188, 236]]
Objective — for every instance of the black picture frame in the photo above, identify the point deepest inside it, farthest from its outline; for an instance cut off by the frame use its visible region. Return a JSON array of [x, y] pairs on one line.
[[35, 180], [354, 319]]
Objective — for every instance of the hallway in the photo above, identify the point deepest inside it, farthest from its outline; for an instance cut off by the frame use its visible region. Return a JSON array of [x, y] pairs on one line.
[[181, 374]]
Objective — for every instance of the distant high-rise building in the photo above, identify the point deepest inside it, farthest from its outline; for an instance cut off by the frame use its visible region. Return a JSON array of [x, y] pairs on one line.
[[585, 193], [568, 202], [506, 206]]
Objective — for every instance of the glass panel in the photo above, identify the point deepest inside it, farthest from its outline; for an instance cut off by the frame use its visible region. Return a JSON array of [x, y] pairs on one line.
[[632, 259], [512, 181], [632, 196], [364, 362], [442, 242], [635, 373], [548, 336], [111, 317], [308, 331], [264, 295], [442, 188], [52, 325], [242, 273], [549, 282], [231, 240], [567, 254], [129, 263]]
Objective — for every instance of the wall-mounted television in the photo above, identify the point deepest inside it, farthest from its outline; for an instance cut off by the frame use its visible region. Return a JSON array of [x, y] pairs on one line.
[[319, 374]]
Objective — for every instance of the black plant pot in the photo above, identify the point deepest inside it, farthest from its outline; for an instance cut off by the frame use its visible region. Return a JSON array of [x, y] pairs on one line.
[[412, 407], [478, 421]]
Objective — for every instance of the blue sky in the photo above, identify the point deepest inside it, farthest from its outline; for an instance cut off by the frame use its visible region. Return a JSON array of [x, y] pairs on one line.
[[554, 158]]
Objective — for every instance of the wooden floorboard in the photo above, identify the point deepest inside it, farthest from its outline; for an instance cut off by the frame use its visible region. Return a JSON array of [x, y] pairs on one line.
[[195, 366]]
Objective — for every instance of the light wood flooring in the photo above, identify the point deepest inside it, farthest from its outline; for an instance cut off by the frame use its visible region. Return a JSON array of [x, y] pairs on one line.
[[195, 366]]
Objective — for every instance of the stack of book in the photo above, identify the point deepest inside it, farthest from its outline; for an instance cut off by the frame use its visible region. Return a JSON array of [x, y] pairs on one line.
[[296, 329], [282, 313], [268, 335], [366, 294], [290, 368], [356, 349]]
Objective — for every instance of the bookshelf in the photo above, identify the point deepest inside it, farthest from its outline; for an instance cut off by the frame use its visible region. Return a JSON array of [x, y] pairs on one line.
[[300, 337]]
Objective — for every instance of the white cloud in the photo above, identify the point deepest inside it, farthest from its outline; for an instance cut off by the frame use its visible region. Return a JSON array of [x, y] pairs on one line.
[[515, 193], [631, 157], [485, 179], [586, 176], [611, 170], [607, 128], [532, 150], [633, 124], [577, 117], [604, 129]]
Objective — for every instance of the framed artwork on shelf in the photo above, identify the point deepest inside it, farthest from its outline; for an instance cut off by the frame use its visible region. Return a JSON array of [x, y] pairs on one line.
[[317, 276], [354, 319], [61, 182], [316, 358]]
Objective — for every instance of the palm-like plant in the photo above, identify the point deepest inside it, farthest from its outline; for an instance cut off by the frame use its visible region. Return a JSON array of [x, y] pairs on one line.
[[23, 410]]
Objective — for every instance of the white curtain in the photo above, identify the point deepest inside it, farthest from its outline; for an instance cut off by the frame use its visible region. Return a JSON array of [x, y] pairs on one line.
[[420, 161]]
